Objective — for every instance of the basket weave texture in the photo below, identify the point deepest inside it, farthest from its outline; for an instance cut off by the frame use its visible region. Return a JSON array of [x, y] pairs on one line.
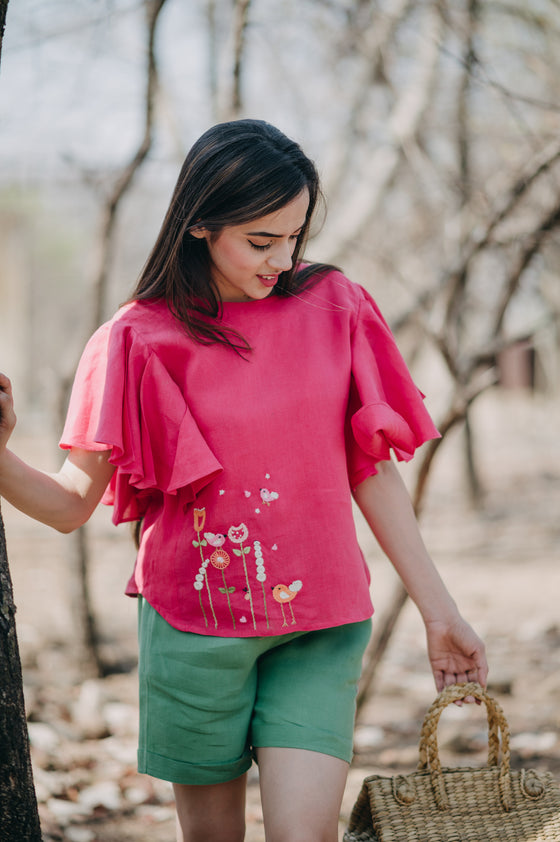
[[460, 804]]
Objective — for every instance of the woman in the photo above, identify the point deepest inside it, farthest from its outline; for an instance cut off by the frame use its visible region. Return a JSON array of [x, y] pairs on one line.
[[233, 407]]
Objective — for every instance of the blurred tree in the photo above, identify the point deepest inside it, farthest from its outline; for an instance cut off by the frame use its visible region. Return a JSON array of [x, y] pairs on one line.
[[88, 636]]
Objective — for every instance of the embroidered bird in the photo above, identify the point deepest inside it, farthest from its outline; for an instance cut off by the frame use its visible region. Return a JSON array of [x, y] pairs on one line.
[[215, 540], [285, 594], [268, 496]]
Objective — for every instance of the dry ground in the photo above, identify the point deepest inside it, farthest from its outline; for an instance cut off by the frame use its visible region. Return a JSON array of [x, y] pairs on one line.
[[501, 564]]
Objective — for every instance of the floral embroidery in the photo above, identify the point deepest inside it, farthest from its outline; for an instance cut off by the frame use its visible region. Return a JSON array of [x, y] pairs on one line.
[[202, 575], [199, 519], [268, 496], [238, 534], [285, 594], [220, 560], [261, 575]]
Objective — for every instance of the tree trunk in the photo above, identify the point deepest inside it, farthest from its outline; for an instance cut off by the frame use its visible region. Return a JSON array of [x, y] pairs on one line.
[[19, 817], [3, 10]]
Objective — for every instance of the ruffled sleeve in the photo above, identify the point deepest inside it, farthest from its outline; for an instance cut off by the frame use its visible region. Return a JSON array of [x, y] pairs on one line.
[[125, 400], [386, 409]]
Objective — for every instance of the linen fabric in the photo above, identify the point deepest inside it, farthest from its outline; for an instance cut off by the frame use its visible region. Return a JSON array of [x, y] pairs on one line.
[[242, 467], [206, 703]]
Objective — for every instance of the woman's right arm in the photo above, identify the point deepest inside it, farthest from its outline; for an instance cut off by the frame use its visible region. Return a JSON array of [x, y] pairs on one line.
[[64, 500]]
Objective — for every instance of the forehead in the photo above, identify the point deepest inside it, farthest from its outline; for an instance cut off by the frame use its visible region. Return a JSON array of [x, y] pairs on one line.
[[286, 220]]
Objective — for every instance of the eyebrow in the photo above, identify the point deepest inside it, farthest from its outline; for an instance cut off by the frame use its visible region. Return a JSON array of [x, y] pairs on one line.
[[268, 234]]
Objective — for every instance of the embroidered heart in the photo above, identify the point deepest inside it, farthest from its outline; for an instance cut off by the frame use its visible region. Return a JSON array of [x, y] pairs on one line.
[[243, 619], [274, 547], [221, 491], [247, 494], [257, 511], [267, 476]]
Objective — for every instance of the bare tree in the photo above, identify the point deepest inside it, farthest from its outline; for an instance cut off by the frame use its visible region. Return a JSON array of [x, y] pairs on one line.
[[241, 21], [473, 370], [88, 633]]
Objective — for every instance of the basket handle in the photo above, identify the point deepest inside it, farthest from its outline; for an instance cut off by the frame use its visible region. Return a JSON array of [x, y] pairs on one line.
[[497, 724]]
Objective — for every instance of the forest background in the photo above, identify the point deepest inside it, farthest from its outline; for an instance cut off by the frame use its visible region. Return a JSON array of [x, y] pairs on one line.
[[435, 125]]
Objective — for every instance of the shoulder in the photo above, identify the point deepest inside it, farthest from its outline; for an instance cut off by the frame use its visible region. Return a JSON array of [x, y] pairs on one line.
[[146, 318], [148, 323], [332, 286]]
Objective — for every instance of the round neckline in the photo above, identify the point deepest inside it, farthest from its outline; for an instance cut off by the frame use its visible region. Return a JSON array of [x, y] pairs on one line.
[[251, 302]]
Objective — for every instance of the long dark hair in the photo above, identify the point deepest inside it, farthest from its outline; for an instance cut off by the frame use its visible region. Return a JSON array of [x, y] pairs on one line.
[[235, 172]]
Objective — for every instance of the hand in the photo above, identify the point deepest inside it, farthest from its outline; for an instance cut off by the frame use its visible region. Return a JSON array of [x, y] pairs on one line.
[[7, 414], [456, 654]]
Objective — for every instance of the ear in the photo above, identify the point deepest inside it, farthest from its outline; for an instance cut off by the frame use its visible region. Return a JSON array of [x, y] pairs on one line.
[[199, 232]]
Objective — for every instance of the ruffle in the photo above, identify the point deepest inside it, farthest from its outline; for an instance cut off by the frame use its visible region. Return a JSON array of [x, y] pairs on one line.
[[378, 429], [387, 411], [124, 398]]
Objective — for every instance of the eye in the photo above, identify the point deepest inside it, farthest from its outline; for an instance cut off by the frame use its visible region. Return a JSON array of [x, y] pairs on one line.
[[257, 247]]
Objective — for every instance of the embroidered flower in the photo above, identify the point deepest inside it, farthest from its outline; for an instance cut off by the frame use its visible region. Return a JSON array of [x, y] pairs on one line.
[[238, 534], [219, 559], [201, 578], [261, 575], [199, 519]]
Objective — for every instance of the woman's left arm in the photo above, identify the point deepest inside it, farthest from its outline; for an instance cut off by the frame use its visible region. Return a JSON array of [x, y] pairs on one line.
[[455, 651]]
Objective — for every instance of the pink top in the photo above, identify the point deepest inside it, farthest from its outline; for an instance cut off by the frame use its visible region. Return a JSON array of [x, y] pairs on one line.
[[242, 468]]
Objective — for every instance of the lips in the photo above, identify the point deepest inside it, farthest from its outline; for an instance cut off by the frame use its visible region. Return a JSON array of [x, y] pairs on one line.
[[268, 280]]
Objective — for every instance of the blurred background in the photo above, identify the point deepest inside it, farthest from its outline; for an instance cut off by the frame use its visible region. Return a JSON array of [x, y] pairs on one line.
[[435, 125]]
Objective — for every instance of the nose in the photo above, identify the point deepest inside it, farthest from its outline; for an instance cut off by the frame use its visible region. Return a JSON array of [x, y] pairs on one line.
[[281, 258]]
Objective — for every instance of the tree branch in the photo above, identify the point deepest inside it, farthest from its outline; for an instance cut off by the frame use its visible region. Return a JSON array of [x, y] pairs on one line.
[[481, 237], [240, 23], [354, 216], [376, 41], [124, 180]]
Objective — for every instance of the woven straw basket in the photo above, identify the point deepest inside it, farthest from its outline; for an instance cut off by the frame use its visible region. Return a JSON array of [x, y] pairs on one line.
[[461, 804]]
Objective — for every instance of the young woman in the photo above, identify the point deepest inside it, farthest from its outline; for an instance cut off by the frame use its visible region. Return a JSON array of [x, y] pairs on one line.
[[233, 407]]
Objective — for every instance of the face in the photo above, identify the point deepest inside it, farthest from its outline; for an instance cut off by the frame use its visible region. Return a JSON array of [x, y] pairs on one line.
[[247, 259]]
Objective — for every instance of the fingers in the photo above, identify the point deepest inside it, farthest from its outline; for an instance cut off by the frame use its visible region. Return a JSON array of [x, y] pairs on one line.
[[7, 416], [5, 384], [445, 679]]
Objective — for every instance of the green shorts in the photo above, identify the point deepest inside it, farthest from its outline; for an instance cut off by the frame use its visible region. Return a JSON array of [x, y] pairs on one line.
[[206, 702]]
